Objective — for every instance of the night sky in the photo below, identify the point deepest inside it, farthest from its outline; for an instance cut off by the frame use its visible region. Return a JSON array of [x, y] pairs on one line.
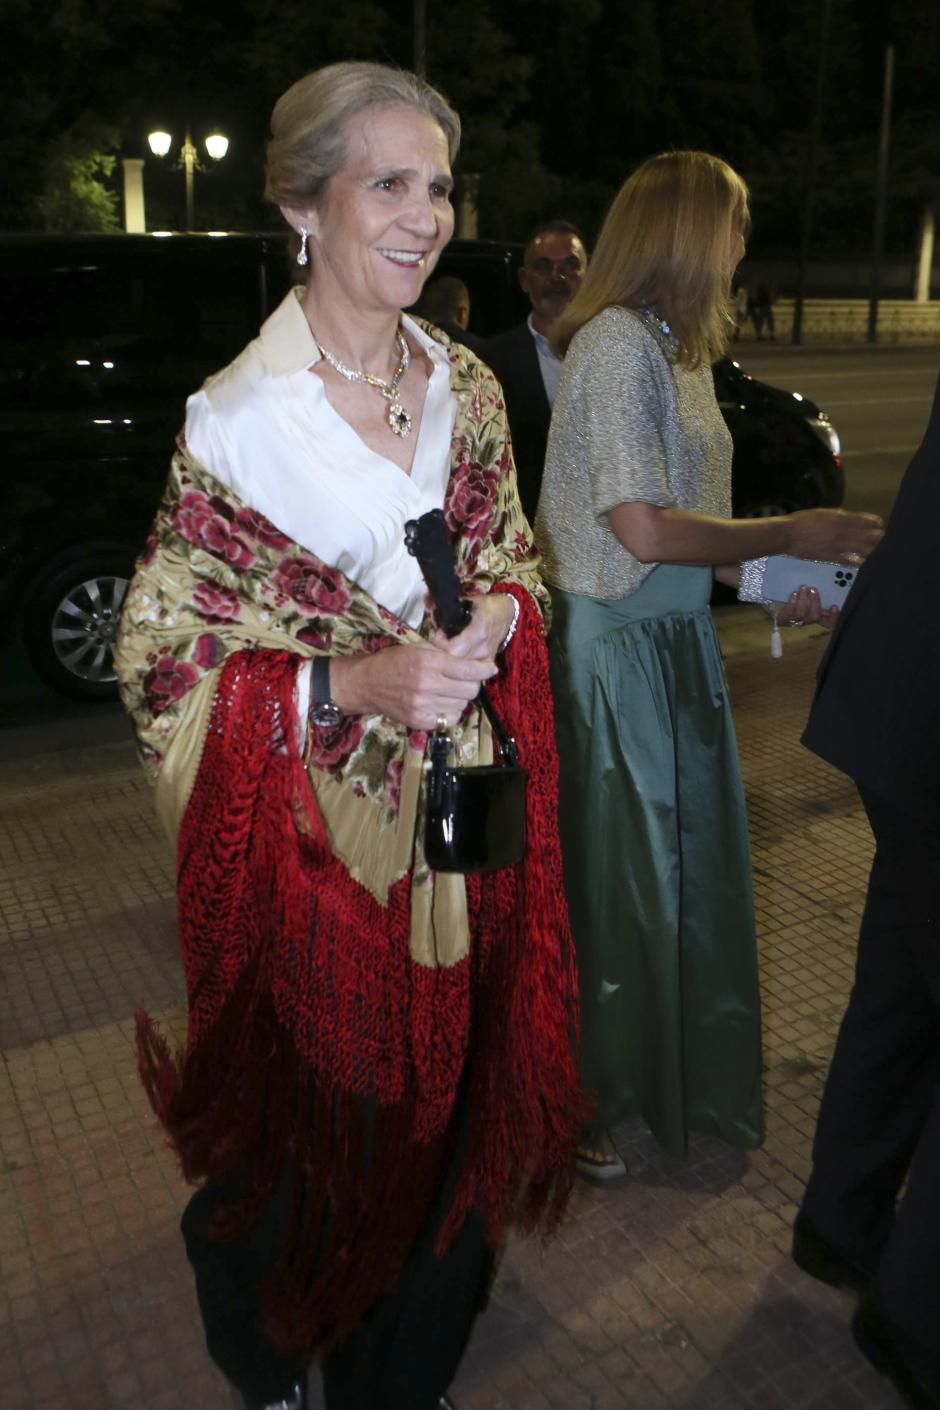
[[560, 99]]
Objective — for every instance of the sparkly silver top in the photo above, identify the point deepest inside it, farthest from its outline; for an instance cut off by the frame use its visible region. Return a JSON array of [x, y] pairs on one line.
[[629, 423], [751, 586]]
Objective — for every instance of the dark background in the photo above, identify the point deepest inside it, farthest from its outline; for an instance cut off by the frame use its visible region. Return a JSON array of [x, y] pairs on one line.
[[560, 98]]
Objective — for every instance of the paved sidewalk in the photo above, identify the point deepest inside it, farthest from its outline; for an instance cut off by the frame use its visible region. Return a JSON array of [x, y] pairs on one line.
[[675, 1291]]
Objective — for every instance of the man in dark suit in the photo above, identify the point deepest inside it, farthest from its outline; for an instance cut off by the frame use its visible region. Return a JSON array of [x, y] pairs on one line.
[[445, 302], [876, 716], [552, 269]]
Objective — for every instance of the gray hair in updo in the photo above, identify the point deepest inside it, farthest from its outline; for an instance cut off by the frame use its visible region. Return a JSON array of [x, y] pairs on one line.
[[307, 143]]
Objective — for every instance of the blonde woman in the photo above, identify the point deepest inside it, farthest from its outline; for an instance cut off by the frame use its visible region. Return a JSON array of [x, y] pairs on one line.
[[633, 518]]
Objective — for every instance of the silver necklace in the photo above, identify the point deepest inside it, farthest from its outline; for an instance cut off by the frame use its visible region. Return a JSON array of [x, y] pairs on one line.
[[662, 327], [396, 416]]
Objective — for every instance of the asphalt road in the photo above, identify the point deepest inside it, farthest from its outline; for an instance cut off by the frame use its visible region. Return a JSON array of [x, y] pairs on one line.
[[877, 398]]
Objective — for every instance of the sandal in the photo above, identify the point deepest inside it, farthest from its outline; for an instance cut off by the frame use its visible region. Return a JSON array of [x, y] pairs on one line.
[[598, 1160]]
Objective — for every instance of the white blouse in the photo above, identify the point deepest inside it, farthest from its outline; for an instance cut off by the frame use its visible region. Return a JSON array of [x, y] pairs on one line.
[[265, 427]]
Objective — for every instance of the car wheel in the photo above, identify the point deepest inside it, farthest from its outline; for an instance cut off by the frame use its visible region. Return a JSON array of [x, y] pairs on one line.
[[72, 616]]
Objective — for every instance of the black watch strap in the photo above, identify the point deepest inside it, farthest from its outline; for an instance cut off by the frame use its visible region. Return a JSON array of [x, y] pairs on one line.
[[324, 710]]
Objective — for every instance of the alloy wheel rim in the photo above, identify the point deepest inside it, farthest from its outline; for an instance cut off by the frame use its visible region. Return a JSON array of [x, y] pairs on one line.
[[84, 626]]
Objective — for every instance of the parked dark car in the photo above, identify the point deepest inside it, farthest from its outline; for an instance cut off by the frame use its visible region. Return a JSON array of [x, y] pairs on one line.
[[786, 450], [101, 340]]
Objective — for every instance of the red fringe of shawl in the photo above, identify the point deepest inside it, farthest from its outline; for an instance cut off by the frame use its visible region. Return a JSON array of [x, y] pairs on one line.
[[315, 1040]]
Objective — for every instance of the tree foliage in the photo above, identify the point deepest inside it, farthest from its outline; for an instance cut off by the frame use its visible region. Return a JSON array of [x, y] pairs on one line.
[[72, 190]]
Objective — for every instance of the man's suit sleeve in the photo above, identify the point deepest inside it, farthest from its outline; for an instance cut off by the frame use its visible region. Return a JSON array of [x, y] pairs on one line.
[[513, 358]]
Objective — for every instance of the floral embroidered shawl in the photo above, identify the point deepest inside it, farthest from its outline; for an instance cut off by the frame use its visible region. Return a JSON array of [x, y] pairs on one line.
[[341, 995]]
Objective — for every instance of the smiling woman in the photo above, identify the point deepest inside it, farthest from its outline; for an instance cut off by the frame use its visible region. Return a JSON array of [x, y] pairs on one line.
[[379, 1069], [371, 247]]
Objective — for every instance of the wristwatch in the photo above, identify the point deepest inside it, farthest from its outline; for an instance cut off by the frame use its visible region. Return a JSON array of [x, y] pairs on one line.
[[324, 710]]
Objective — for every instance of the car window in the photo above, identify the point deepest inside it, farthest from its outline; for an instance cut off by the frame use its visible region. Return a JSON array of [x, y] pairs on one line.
[[152, 326]]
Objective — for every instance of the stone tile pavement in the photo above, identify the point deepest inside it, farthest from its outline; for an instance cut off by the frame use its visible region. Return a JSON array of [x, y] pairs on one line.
[[672, 1293]]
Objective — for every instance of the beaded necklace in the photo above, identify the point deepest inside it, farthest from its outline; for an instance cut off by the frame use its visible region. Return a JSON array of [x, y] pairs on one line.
[[397, 417], [662, 329]]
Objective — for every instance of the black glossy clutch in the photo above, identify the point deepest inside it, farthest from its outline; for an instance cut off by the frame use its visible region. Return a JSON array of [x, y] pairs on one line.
[[475, 815]]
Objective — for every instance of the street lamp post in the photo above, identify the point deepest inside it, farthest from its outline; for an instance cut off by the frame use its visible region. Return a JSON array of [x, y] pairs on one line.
[[189, 157], [809, 173], [878, 234], [216, 145]]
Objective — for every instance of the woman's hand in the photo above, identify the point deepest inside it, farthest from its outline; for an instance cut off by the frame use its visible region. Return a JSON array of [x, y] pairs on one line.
[[654, 534], [833, 535], [412, 685], [804, 606], [480, 640]]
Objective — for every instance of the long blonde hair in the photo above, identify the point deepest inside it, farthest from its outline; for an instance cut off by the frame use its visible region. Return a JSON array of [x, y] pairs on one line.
[[665, 243]]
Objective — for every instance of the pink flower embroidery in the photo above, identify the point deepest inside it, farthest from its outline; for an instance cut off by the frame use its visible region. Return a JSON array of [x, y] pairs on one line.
[[522, 547], [217, 603], [238, 554], [208, 651], [260, 528], [192, 512], [150, 548], [393, 784], [332, 747], [370, 644], [316, 634], [468, 506], [168, 681], [207, 523], [317, 590]]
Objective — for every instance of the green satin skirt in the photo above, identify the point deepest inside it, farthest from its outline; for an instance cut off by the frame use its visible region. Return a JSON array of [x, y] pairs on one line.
[[657, 864]]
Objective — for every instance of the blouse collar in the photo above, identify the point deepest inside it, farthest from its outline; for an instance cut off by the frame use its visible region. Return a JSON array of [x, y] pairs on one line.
[[288, 346]]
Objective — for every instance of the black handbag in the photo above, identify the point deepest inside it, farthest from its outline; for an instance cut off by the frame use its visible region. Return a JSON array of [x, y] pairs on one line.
[[475, 815]]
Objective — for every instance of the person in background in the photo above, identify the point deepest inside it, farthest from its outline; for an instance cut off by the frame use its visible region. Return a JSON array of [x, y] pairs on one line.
[[633, 518], [523, 358], [379, 1069], [445, 302], [762, 312], [741, 300], [870, 1218]]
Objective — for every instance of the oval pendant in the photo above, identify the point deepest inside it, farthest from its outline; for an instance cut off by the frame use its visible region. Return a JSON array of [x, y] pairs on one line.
[[398, 419]]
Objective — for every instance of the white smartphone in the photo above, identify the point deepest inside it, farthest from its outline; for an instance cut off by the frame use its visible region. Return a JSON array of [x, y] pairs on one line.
[[784, 575]]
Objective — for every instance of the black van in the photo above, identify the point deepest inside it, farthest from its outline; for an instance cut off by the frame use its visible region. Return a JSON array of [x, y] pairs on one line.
[[102, 338]]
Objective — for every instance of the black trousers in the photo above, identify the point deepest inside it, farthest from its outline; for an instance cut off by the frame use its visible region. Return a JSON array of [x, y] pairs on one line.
[[405, 1354], [879, 1121]]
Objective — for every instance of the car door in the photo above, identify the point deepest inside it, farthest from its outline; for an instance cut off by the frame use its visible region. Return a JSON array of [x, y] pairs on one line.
[[102, 342]]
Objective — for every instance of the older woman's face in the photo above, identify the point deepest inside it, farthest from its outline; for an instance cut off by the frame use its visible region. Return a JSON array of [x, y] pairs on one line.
[[386, 214]]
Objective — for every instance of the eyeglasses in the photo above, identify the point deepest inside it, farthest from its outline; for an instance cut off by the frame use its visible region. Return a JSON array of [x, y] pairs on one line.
[[568, 267]]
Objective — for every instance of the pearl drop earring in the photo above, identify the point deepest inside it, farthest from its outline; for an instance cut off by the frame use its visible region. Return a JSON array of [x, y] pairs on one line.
[[302, 256]]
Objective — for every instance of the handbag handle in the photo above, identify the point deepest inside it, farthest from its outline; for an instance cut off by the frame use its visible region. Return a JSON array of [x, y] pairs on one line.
[[507, 745], [426, 540]]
